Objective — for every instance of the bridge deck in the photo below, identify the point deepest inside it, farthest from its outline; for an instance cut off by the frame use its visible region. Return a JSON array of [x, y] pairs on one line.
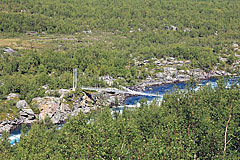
[[115, 90]]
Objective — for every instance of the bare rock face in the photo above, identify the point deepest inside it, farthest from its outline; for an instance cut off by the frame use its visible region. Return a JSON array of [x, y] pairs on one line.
[[26, 113], [26, 116], [5, 127], [61, 92], [52, 107], [57, 109], [12, 96], [108, 99], [21, 104], [108, 79]]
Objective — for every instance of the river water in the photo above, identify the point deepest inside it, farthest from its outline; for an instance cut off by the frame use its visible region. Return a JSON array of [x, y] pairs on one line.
[[168, 88], [159, 90]]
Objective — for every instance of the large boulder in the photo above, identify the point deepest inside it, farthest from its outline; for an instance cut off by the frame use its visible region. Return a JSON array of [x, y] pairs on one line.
[[26, 113], [26, 116], [8, 125], [21, 104], [54, 108]]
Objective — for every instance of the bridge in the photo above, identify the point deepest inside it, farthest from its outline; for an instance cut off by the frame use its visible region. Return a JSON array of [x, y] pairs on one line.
[[118, 91]]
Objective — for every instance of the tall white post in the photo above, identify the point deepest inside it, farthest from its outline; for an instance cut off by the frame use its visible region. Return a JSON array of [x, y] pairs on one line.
[[74, 79]]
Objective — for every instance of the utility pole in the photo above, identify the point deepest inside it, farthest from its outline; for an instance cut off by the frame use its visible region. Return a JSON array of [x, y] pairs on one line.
[[74, 79]]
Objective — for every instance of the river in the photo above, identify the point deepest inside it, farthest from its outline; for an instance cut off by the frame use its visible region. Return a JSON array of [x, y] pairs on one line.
[[160, 90]]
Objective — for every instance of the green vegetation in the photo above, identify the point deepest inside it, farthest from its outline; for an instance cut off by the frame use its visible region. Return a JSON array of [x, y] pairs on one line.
[[8, 109], [110, 37], [103, 38], [200, 125]]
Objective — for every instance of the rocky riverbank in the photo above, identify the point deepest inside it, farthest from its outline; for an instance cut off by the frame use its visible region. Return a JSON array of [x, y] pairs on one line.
[[62, 104], [171, 75], [58, 109]]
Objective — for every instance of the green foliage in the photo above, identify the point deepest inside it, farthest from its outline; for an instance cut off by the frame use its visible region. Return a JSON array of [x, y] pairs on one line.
[[8, 110], [53, 94], [120, 31], [34, 107], [230, 59], [5, 146], [110, 34], [202, 18], [185, 126]]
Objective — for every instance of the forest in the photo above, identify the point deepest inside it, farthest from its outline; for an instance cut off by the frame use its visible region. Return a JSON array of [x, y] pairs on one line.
[[104, 38], [188, 125], [48, 39]]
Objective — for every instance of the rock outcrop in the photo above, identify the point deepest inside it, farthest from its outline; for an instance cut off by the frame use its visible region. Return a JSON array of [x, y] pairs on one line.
[[26, 116], [59, 109], [172, 75], [56, 108], [52, 107], [21, 104]]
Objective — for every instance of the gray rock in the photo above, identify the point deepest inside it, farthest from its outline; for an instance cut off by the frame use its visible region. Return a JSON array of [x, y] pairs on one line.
[[159, 75], [196, 70], [6, 127], [218, 72], [173, 28], [4, 123], [21, 104], [187, 62], [52, 107], [31, 33], [27, 116], [182, 77], [12, 96], [28, 111], [235, 45], [31, 117], [23, 114], [169, 69], [8, 50], [56, 118], [181, 71], [108, 79]]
